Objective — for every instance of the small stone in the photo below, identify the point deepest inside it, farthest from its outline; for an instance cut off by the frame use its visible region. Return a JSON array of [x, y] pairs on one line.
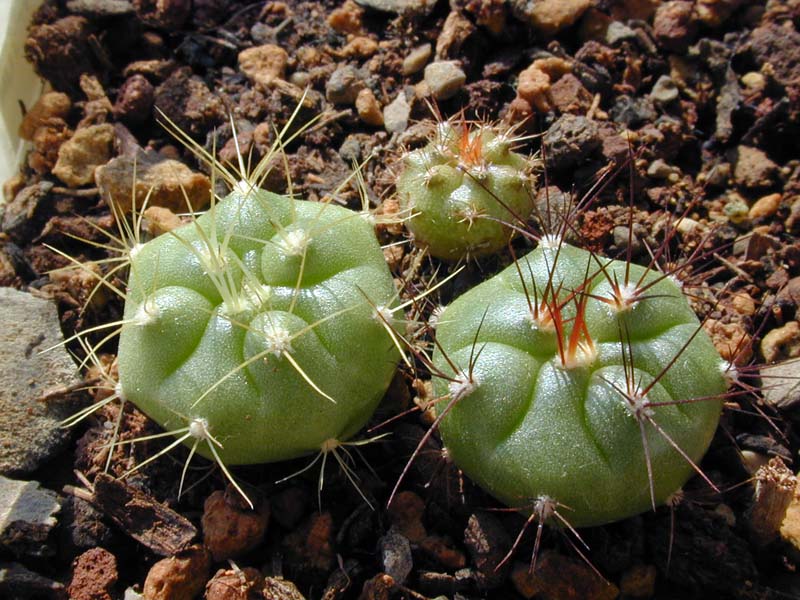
[[793, 220], [781, 387], [569, 95], [639, 581], [659, 169], [401, 7], [445, 78], [782, 342], [396, 114], [277, 588], [20, 215], [86, 150], [416, 60], [487, 543], [160, 220], [443, 551], [100, 8], [743, 304], [664, 90], [51, 105], [753, 169], [618, 32], [550, 16], [406, 513], [31, 432], [164, 14], [161, 182], [27, 516], [134, 100], [346, 18], [344, 85], [18, 582], [455, 32], [311, 545], [368, 108], [395, 553], [264, 64], [731, 340], [570, 140], [235, 584], [360, 47], [230, 527], [558, 577], [180, 577], [754, 81], [94, 574], [633, 111], [61, 52], [766, 206], [674, 25]]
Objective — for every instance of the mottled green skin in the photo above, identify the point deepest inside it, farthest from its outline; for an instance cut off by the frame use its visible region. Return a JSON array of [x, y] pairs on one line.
[[265, 411], [459, 207], [532, 428]]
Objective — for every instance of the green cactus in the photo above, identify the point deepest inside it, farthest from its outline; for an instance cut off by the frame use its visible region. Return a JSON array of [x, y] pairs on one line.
[[576, 381], [465, 191], [259, 332]]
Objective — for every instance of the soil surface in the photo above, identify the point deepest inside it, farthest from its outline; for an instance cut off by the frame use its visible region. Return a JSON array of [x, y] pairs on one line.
[[678, 115]]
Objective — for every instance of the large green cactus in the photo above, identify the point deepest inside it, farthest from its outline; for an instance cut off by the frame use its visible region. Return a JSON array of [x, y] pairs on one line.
[[258, 332], [465, 191], [579, 382]]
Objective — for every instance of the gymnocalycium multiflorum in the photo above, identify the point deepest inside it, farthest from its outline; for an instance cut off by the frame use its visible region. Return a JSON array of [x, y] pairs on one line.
[[466, 190], [258, 332], [571, 380]]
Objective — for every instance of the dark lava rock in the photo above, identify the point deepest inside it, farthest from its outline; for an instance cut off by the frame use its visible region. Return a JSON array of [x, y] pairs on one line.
[[570, 140]]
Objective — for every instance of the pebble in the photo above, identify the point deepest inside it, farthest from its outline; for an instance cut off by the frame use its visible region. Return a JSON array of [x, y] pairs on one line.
[[766, 206], [344, 85], [550, 16], [347, 18], [416, 60], [31, 433], [401, 7], [16, 581], [569, 95], [445, 78], [793, 220], [100, 8], [633, 111], [752, 168], [186, 101], [163, 14], [278, 588], [487, 543], [731, 340], [80, 155], [754, 81], [664, 90], [617, 32], [570, 140], [558, 576], [781, 387], [368, 108], [396, 114], [455, 32], [235, 584], [134, 100], [782, 342], [61, 51], [94, 574], [27, 516], [659, 169], [51, 105], [674, 26], [165, 181], [230, 527], [19, 215], [180, 577], [264, 64], [395, 553]]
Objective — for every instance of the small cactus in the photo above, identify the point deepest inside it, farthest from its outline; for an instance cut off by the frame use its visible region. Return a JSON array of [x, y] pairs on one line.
[[574, 381], [259, 332], [466, 191]]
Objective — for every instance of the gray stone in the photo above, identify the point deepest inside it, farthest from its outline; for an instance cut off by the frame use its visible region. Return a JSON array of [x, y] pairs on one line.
[[395, 551], [445, 78], [18, 582], [781, 384], [570, 140], [31, 433], [633, 112], [664, 90], [27, 515], [401, 7], [396, 114], [100, 8], [416, 59], [344, 85], [617, 32]]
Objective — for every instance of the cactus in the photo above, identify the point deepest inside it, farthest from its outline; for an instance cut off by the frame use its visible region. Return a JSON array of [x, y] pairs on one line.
[[574, 381], [259, 332], [466, 191]]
